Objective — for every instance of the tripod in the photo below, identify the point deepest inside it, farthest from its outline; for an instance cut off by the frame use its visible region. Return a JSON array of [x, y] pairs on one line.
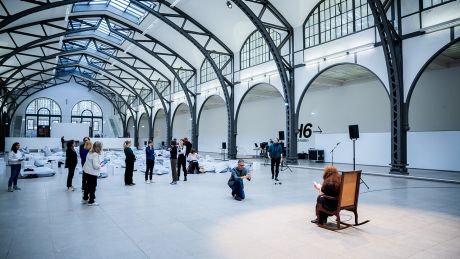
[[284, 165], [362, 181], [332, 152]]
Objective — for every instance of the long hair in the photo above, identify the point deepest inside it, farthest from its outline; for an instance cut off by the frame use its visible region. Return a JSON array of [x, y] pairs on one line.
[[96, 148], [331, 176], [88, 145], [14, 147]]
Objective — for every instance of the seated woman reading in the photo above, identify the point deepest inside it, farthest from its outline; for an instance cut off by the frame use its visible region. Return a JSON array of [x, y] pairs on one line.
[[330, 187]]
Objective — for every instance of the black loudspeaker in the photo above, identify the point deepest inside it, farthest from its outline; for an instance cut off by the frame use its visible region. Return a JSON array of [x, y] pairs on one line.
[[353, 131], [224, 145], [145, 143], [162, 143], [281, 135]]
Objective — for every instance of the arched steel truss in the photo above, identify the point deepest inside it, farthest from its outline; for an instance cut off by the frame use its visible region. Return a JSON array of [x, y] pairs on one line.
[[285, 66], [163, 11], [392, 49]]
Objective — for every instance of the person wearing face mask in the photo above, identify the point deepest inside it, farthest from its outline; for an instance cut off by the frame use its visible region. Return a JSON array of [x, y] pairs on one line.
[[274, 154]]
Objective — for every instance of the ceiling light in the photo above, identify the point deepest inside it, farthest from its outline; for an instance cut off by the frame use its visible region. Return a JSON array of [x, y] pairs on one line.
[[229, 4]]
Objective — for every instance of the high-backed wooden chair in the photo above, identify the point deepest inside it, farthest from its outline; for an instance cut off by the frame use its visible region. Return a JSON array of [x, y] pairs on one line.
[[347, 200]]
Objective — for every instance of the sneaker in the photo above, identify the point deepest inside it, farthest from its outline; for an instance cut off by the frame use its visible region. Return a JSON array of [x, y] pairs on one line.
[[276, 179], [151, 181], [238, 198], [70, 189], [132, 184], [84, 201], [93, 204], [147, 182], [185, 179], [16, 188], [10, 189]]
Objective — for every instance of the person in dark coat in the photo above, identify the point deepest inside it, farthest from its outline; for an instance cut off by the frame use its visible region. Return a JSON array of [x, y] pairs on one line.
[[129, 160], [330, 187], [71, 162], [150, 161], [173, 159], [85, 147], [274, 154]]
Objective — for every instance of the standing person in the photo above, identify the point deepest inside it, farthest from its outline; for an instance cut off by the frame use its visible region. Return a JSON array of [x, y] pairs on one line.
[[331, 188], [274, 154], [92, 169], [62, 142], [71, 161], [188, 146], [85, 147], [150, 157], [14, 159], [193, 162], [181, 160], [173, 159], [129, 161], [236, 180]]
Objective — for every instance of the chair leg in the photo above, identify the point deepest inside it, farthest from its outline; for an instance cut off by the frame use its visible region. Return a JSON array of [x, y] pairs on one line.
[[356, 217], [338, 221]]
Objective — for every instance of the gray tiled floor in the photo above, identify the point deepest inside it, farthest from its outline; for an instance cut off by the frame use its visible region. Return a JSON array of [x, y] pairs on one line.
[[199, 219]]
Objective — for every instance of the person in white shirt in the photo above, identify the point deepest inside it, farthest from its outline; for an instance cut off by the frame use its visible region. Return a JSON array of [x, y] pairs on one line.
[[193, 161], [92, 168], [15, 159]]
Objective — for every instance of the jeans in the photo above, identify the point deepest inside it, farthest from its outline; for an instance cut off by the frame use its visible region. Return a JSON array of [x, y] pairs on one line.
[[149, 170], [181, 164], [238, 189], [275, 162], [70, 177], [175, 177], [90, 190], [194, 166], [15, 169]]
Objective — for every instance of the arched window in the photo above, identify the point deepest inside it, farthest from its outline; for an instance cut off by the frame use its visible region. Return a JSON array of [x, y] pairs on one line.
[[40, 114], [333, 19], [187, 77], [255, 50], [207, 72], [89, 112]]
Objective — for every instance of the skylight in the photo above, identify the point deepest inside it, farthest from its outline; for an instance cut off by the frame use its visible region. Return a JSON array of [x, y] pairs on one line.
[[120, 7]]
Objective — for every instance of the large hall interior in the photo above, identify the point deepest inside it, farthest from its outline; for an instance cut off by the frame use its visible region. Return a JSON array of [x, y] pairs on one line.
[[229, 129]]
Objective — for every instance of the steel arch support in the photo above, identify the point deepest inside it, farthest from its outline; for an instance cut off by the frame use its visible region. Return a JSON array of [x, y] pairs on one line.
[[392, 48], [285, 68]]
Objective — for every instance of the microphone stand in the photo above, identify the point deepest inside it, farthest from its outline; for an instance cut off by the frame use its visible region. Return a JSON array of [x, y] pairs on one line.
[[332, 152]]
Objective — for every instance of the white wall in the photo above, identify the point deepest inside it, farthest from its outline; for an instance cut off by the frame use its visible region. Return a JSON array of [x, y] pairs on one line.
[[33, 143], [435, 106], [434, 150], [182, 126], [370, 148], [213, 129], [75, 131], [159, 129], [143, 130], [259, 121], [67, 95]]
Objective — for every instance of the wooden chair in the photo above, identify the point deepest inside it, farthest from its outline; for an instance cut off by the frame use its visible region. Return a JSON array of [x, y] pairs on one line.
[[347, 200]]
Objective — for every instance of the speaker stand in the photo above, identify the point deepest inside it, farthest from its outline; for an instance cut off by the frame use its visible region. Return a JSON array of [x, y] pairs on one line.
[[222, 151], [362, 181]]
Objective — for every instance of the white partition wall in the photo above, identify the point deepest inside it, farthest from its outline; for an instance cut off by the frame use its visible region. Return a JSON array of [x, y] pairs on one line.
[[343, 96], [434, 138], [143, 130], [159, 129], [182, 126], [261, 116], [212, 125]]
